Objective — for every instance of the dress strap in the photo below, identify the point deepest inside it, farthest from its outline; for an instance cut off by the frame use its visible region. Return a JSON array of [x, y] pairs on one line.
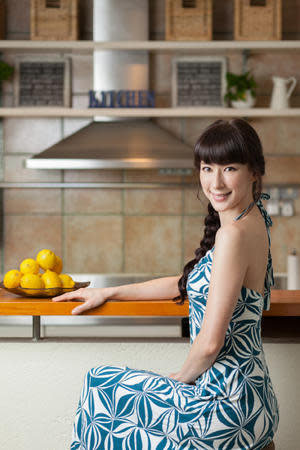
[[245, 210], [264, 213], [269, 280]]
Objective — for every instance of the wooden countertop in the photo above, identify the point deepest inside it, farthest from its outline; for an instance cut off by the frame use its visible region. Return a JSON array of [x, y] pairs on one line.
[[11, 304], [283, 303]]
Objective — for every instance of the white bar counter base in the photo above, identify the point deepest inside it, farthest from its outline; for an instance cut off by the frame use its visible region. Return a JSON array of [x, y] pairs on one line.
[[41, 384]]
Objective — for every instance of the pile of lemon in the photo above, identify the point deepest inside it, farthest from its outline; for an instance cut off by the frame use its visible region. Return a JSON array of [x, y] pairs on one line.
[[30, 276]]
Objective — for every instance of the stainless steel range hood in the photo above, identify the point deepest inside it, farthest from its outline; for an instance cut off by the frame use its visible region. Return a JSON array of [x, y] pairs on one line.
[[115, 145], [118, 143]]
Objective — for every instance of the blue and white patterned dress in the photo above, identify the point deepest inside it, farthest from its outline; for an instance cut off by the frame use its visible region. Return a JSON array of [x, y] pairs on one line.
[[231, 406]]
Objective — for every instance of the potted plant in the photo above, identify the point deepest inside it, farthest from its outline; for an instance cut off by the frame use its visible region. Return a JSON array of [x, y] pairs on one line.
[[240, 90], [6, 72]]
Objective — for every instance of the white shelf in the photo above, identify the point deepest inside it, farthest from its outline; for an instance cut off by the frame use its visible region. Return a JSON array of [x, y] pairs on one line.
[[113, 185], [159, 46], [79, 47], [146, 112]]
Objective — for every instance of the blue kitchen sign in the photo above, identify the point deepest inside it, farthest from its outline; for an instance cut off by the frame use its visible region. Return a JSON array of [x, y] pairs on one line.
[[122, 99]]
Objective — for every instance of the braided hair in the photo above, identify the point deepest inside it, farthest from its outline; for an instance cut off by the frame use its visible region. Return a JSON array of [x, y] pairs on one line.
[[223, 142]]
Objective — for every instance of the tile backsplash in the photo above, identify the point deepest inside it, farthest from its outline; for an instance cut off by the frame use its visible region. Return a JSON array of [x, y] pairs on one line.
[[135, 230]]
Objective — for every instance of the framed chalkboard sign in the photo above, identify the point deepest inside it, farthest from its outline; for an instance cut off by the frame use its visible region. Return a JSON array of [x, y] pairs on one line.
[[198, 81], [43, 81]]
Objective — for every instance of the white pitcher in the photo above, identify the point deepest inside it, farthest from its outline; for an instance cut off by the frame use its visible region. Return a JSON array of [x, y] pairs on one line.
[[281, 93]]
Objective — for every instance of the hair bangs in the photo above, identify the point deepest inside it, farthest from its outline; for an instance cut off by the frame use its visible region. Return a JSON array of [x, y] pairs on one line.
[[221, 146]]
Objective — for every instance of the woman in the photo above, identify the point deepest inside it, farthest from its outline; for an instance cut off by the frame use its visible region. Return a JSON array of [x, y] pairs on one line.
[[222, 398]]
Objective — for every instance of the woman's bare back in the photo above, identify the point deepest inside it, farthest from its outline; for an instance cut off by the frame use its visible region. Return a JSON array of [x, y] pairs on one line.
[[257, 249]]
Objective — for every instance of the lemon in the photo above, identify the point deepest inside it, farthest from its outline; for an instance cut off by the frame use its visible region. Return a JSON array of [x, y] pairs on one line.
[[67, 281], [29, 265], [12, 279], [32, 281], [46, 259], [51, 279], [58, 265]]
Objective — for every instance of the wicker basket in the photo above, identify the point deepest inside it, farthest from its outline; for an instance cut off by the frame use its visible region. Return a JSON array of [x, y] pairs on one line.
[[2, 19], [54, 20], [257, 20], [188, 20]]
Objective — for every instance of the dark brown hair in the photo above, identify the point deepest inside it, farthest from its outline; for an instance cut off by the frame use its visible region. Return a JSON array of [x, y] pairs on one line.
[[224, 142]]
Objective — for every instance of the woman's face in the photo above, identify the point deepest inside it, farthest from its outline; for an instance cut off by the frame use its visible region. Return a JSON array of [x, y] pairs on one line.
[[227, 186]]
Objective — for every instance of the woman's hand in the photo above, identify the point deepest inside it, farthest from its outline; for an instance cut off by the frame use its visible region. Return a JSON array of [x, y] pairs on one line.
[[175, 376], [179, 377], [92, 297]]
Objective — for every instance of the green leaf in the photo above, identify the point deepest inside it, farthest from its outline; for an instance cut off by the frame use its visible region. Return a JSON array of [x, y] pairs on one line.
[[6, 71], [237, 85]]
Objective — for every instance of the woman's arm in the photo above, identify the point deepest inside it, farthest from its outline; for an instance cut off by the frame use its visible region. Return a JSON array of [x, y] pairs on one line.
[[160, 288], [228, 271]]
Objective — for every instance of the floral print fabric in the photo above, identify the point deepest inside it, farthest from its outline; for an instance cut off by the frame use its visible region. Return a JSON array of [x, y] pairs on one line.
[[231, 406]]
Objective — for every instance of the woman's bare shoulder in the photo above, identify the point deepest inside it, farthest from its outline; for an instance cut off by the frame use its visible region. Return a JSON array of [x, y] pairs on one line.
[[230, 235], [243, 237]]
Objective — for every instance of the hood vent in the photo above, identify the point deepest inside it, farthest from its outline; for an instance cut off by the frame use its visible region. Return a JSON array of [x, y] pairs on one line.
[[117, 143]]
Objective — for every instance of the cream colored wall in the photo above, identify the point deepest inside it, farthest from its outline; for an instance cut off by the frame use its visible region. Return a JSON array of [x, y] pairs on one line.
[[40, 385]]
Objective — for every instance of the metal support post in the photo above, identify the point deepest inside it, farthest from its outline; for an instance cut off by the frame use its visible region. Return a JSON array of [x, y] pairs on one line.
[[36, 328]]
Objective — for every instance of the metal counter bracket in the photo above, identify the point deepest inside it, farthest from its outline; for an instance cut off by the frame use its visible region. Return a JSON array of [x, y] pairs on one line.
[[36, 328]]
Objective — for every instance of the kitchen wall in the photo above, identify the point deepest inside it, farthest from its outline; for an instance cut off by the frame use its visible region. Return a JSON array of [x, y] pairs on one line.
[[134, 230]]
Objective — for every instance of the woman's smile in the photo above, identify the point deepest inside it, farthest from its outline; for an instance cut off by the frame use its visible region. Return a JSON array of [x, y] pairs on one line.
[[220, 197]]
